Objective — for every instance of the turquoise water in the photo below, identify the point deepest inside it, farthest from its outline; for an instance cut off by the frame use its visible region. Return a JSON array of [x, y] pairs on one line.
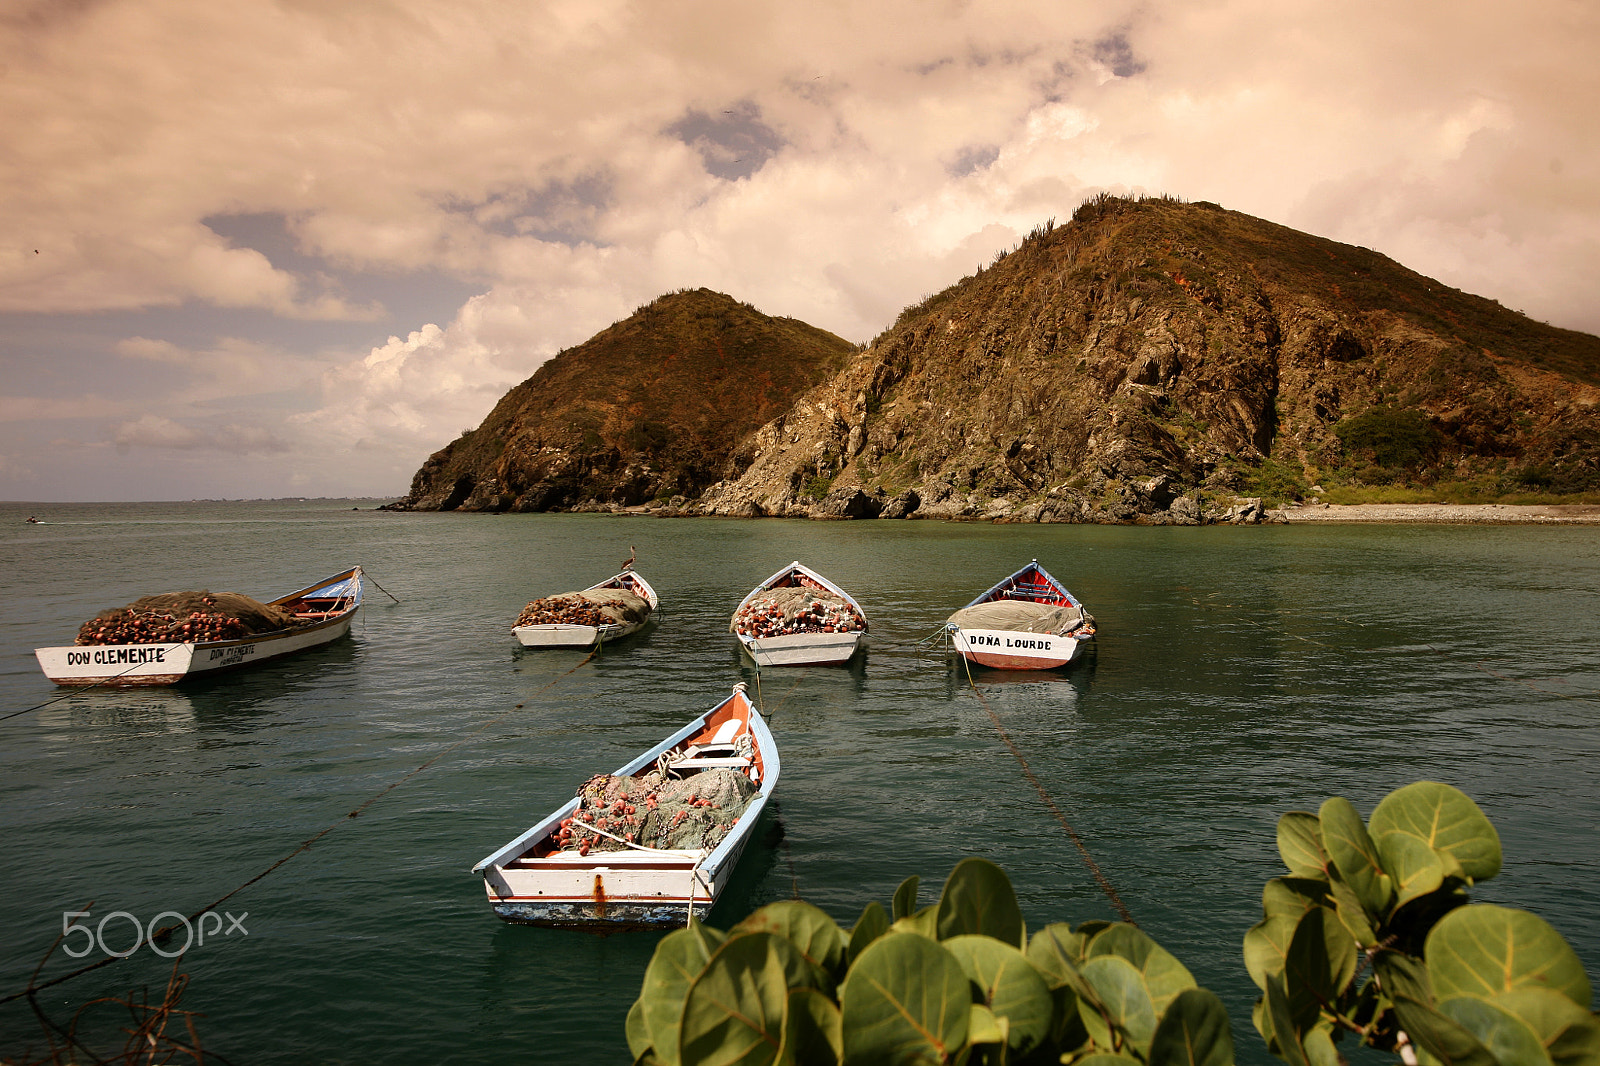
[[1240, 672]]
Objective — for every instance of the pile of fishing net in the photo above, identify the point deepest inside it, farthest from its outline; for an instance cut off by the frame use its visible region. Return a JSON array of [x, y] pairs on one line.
[[778, 612], [184, 617], [593, 607], [1022, 616], [668, 813]]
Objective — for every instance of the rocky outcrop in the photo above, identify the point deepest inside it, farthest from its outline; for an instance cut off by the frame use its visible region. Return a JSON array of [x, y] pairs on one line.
[[1166, 363]]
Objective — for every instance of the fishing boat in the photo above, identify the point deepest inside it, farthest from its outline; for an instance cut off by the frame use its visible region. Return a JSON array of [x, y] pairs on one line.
[[797, 617], [321, 613], [540, 878], [1029, 621], [577, 635]]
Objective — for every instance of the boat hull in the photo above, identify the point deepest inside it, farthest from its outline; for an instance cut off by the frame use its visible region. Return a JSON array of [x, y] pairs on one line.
[[802, 649], [1014, 650], [560, 635], [167, 664]]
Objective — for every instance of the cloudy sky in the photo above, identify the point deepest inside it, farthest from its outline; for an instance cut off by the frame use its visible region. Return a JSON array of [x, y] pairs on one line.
[[290, 247]]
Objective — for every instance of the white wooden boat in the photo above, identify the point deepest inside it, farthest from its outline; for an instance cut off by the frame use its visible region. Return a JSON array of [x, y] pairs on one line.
[[535, 880], [1029, 621], [822, 647], [566, 635], [322, 612]]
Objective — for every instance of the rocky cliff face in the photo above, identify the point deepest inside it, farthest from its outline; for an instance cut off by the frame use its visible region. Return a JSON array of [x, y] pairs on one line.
[[1152, 361], [648, 409]]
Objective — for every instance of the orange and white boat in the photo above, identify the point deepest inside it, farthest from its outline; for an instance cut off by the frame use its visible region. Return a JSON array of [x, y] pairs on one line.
[[1029, 621], [541, 879]]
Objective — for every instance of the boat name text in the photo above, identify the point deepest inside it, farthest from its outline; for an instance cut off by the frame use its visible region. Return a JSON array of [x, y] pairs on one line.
[[986, 640], [117, 656], [234, 654]]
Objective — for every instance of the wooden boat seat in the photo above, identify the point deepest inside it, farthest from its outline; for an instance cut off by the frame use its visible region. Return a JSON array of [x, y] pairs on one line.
[[732, 762]]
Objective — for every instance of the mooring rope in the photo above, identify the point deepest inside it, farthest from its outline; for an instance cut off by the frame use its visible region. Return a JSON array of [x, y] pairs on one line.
[[1049, 802], [169, 929]]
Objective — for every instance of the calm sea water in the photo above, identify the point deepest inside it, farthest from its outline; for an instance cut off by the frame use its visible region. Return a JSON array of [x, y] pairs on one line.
[[1239, 673]]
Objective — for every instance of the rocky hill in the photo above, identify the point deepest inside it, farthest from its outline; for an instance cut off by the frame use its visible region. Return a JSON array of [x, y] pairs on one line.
[[1154, 360], [648, 409]]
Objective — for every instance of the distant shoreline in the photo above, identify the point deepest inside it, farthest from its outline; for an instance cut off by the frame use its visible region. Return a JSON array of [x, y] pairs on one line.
[[1578, 514]]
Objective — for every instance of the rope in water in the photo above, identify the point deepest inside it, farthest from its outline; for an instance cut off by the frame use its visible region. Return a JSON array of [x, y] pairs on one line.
[[1049, 802], [169, 929]]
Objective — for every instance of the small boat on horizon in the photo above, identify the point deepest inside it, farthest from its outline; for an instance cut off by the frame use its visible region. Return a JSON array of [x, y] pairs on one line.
[[648, 844], [617, 607], [317, 614], [1029, 621], [797, 617]]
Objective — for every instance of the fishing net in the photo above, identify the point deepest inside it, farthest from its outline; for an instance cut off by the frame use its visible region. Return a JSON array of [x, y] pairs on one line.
[[782, 611], [689, 814], [594, 607], [1021, 616], [182, 617]]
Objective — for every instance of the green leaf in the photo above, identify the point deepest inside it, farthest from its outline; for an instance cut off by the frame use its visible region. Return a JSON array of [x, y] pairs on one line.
[[978, 898], [1266, 947], [923, 923], [905, 898], [1415, 867], [1352, 915], [1056, 950], [1104, 1058], [1318, 1046], [1484, 950], [1402, 975], [1121, 991], [1439, 1036], [1354, 855], [805, 925], [1007, 984], [907, 1001], [1506, 1037], [984, 1028], [1285, 1033], [1292, 896], [1163, 975], [638, 1035], [812, 1030], [872, 924], [1569, 1033], [734, 1010], [678, 960], [1300, 844], [1193, 1032], [1320, 965], [1445, 819]]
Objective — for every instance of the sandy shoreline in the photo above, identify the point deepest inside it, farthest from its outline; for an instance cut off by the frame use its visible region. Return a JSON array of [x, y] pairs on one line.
[[1477, 513]]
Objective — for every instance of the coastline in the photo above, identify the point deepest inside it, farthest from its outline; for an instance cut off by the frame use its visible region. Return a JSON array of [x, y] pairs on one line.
[[1443, 513]]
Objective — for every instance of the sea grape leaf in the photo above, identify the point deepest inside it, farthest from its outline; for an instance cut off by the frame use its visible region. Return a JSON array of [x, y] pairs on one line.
[[1506, 1036], [923, 923], [678, 960], [1121, 990], [813, 1032], [1008, 985], [1300, 844], [984, 1028], [1483, 950], [1163, 975], [1322, 958], [1056, 950], [978, 898], [808, 927], [1266, 946], [1569, 1033], [734, 1010], [1447, 820], [1402, 975], [1292, 896], [638, 1035], [905, 898], [872, 924], [1414, 866], [1354, 855], [1318, 1046], [1193, 1032], [1104, 1058], [1285, 1033], [908, 1001], [1352, 915], [1439, 1036]]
